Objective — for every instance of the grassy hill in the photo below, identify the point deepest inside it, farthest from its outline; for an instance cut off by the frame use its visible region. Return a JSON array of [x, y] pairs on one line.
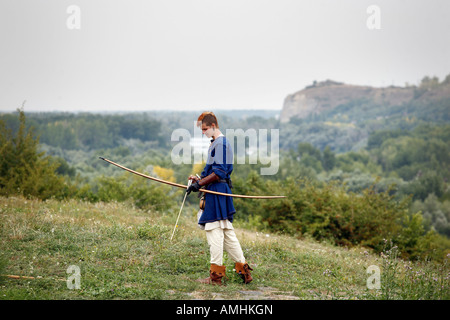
[[126, 253]]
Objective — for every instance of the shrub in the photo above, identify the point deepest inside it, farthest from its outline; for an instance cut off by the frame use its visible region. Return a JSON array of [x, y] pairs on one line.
[[24, 170], [329, 213], [144, 195]]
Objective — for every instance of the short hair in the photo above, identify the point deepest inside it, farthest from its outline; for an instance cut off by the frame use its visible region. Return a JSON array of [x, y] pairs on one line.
[[207, 118]]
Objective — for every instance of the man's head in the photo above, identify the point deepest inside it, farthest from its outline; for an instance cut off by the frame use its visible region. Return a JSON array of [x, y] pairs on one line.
[[207, 121]]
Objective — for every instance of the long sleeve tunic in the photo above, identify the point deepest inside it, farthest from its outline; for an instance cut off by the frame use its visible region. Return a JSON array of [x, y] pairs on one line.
[[219, 161]]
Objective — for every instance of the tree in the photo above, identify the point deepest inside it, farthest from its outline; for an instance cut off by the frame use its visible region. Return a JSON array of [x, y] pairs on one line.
[[328, 159], [447, 79], [23, 169]]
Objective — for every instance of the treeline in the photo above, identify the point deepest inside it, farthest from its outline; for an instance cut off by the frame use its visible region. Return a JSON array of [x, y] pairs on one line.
[[417, 161], [89, 131], [420, 157], [27, 171], [409, 163]]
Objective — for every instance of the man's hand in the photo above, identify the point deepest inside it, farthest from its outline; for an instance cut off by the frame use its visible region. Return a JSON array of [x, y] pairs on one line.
[[193, 187], [193, 178]]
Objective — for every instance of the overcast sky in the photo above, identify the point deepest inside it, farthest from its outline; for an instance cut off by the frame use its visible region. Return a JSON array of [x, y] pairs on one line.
[[210, 54]]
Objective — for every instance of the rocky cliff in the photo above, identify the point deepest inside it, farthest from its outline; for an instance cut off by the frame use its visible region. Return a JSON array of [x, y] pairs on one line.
[[329, 94]]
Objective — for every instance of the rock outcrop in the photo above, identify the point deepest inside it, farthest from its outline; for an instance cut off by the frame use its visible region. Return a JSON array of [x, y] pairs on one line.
[[329, 94]]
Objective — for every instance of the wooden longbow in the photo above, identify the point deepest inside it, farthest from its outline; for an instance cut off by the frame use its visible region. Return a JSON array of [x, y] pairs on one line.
[[185, 187]]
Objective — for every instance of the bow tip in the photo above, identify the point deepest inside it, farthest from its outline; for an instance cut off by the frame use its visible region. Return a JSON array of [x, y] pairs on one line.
[[102, 158]]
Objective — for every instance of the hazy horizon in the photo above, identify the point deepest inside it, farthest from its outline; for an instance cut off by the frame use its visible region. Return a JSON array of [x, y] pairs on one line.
[[130, 110], [112, 55]]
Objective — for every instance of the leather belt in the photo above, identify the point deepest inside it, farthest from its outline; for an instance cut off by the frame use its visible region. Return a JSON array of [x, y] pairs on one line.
[[227, 181]]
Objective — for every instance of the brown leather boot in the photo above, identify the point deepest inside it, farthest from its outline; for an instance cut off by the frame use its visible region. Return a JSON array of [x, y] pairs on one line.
[[243, 269], [216, 273]]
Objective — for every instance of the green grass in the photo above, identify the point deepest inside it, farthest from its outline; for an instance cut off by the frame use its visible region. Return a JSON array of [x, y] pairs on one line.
[[125, 253]]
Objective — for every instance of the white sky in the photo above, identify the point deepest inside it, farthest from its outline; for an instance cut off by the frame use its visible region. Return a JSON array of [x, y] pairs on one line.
[[210, 54]]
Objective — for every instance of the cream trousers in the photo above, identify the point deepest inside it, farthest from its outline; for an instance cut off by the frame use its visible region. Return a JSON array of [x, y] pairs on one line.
[[224, 239]]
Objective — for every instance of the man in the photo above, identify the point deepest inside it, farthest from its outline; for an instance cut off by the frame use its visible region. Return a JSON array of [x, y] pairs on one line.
[[218, 210]]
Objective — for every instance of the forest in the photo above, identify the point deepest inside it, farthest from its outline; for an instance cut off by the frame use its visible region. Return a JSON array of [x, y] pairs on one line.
[[356, 175]]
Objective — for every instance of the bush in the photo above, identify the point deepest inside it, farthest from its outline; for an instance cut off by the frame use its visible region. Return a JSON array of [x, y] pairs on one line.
[[24, 170], [329, 213], [143, 194]]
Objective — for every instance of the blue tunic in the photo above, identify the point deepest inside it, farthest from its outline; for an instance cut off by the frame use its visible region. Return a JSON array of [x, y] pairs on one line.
[[220, 161]]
